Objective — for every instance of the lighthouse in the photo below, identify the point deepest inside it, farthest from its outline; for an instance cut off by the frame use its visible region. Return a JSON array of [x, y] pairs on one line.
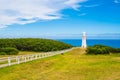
[[84, 45]]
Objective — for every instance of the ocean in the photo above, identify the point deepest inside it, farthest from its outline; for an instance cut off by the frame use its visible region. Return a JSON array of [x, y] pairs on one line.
[[90, 42]]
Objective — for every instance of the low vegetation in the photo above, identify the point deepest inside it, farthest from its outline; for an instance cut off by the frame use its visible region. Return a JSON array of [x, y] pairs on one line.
[[8, 51], [101, 49], [32, 44], [73, 65]]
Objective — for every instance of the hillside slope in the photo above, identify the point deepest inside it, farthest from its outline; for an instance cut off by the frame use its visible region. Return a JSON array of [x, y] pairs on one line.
[[34, 44]]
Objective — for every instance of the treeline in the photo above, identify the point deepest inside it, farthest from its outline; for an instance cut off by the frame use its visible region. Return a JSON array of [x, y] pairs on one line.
[[33, 44], [101, 49]]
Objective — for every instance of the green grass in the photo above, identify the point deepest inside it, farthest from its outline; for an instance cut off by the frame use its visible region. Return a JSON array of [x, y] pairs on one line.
[[71, 66]]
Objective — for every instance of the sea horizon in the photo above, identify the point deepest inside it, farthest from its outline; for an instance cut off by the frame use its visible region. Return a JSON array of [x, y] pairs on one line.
[[90, 42]]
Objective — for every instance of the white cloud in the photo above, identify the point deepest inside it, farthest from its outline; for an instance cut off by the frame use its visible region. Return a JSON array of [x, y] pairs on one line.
[[116, 1], [29, 11]]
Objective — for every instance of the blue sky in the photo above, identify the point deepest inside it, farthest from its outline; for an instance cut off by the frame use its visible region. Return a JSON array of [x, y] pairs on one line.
[[60, 18]]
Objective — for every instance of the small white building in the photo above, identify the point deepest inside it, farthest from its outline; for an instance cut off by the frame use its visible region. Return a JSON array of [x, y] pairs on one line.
[[84, 44]]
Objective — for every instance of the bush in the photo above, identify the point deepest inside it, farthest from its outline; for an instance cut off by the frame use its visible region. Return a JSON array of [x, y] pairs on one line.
[[8, 51], [101, 49], [2, 53], [114, 50], [98, 49]]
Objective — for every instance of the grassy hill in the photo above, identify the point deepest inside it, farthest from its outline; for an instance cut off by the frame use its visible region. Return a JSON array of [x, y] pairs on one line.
[[10, 46], [73, 65]]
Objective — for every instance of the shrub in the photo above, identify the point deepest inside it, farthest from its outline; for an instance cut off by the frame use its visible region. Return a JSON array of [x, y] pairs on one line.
[[114, 50], [2, 53], [101, 49], [97, 50], [8, 51]]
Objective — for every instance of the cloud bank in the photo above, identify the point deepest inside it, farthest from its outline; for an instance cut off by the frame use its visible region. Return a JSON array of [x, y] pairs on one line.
[[29, 11]]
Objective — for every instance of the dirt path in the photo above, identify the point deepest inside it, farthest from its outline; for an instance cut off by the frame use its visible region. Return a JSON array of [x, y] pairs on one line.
[[78, 51]]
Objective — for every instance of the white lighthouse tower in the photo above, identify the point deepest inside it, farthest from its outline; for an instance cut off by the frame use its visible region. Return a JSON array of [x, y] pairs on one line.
[[84, 45]]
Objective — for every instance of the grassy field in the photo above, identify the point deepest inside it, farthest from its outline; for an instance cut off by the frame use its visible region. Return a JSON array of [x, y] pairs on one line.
[[73, 65]]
